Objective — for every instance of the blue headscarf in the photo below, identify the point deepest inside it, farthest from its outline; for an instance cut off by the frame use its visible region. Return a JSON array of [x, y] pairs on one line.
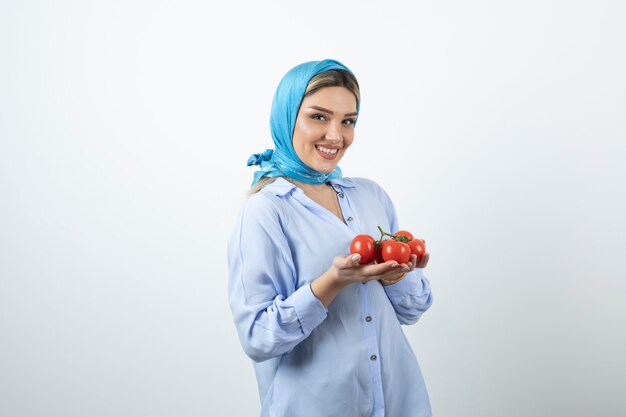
[[283, 161]]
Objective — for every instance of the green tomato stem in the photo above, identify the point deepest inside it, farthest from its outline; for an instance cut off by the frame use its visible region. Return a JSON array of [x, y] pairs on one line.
[[383, 234], [402, 239]]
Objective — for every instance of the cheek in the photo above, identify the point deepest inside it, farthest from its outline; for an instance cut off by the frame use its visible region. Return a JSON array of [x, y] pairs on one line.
[[298, 136], [302, 134], [347, 140]]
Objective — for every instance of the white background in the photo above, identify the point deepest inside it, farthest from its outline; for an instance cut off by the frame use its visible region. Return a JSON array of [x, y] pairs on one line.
[[498, 128]]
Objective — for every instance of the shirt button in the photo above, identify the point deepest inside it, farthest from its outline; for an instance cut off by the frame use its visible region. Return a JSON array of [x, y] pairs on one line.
[[373, 357], [350, 219], [340, 195], [368, 319]]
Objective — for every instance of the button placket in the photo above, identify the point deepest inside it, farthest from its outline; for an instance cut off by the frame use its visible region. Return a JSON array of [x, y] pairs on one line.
[[370, 335], [345, 208]]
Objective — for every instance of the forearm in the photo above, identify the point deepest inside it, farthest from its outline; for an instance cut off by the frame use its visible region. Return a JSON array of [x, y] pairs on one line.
[[327, 287], [271, 329]]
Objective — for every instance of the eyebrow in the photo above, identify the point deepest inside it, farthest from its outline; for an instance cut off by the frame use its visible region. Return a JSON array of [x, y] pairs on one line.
[[323, 110]]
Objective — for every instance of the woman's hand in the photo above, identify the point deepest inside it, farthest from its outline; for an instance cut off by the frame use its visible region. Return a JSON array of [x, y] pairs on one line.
[[411, 265], [347, 270]]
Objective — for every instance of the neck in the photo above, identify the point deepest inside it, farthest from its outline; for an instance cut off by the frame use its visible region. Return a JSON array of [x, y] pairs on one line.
[[322, 194], [316, 188]]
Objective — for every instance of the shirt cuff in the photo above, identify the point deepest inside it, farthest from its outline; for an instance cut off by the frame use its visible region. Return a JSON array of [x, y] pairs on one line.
[[406, 285], [310, 310]]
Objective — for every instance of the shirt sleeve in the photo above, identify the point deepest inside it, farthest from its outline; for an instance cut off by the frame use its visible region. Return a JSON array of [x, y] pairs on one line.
[[270, 314], [411, 296]]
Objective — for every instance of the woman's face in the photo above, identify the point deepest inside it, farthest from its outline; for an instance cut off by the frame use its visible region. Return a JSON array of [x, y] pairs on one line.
[[325, 127]]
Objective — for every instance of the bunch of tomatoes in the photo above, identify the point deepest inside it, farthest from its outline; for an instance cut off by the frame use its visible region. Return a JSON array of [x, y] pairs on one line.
[[396, 247]]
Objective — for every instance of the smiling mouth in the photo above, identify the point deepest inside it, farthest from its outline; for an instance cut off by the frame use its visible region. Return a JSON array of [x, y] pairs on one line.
[[327, 153], [327, 150]]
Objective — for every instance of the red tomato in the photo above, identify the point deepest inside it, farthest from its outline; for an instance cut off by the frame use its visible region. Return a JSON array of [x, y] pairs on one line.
[[364, 246], [379, 252], [418, 247], [404, 233], [396, 251]]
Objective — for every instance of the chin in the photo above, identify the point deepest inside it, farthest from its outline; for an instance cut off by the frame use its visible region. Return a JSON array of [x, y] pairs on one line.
[[325, 169]]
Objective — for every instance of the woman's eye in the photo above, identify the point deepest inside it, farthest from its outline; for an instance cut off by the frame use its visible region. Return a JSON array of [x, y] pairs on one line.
[[349, 122], [318, 117]]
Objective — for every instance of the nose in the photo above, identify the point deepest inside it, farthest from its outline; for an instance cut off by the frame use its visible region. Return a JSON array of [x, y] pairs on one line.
[[334, 132]]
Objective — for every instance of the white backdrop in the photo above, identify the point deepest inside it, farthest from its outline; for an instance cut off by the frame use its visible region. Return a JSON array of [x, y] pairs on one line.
[[498, 128]]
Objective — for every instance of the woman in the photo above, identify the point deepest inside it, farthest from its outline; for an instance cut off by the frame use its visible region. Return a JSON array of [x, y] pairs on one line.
[[323, 330]]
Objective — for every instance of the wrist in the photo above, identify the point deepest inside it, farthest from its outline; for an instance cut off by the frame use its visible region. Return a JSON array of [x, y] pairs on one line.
[[394, 279], [335, 280]]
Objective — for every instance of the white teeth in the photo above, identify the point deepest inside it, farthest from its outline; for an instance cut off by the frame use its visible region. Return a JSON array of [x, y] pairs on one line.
[[326, 150]]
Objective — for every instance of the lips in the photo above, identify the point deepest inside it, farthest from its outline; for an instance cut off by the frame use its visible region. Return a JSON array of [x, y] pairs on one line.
[[327, 153]]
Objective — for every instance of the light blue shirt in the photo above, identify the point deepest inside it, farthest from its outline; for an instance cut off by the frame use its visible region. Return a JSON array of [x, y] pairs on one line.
[[351, 359]]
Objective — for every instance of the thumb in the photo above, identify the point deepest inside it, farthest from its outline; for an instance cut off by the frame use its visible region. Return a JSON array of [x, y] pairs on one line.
[[354, 259], [350, 261]]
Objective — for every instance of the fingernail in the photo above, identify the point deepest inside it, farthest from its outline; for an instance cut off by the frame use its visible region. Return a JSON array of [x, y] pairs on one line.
[[356, 257], [395, 265]]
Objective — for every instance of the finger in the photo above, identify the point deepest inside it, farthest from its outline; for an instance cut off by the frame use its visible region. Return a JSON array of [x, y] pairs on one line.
[[424, 260], [388, 266], [411, 264], [405, 267], [346, 262], [379, 269], [392, 275]]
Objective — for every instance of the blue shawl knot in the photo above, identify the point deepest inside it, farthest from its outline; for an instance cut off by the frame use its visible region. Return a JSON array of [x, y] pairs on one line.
[[258, 158]]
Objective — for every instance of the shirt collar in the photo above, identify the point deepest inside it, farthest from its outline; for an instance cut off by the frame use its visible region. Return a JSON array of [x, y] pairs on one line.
[[281, 187], [343, 182]]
